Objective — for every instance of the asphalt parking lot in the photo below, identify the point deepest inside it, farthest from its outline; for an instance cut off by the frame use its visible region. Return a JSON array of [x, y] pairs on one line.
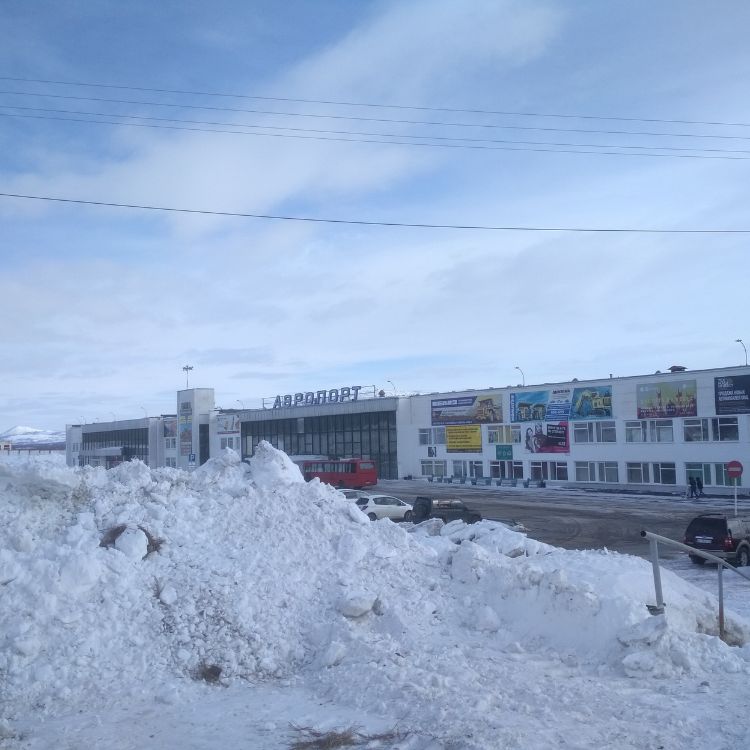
[[576, 519]]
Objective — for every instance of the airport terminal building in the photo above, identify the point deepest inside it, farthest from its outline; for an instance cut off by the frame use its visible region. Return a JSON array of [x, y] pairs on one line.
[[650, 432]]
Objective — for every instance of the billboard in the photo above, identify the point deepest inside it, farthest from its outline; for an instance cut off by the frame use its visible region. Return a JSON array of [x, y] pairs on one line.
[[465, 438], [170, 428], [504, 452], [484, 408], [227, 423], [732, 394], [666, 399], [529, 406], [546, 437], [593, 402], [186, 435]]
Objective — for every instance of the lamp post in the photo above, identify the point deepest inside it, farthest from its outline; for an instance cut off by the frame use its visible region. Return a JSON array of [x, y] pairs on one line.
[[186, 370], [392, 386], [145, 413], [740, 341], [241, 403], [523, 377]]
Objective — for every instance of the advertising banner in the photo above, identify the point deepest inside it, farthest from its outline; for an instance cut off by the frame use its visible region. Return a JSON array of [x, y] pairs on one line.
[[504, 452], [674, 398], [170, 428], [546, 437], [463, 438], [558, 406], [529, 406], [484, 408], [227, 423], [186, 435], [594, 402], [732, 394]]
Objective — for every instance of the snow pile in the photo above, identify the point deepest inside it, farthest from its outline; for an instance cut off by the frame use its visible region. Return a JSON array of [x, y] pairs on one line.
[[136, 582]]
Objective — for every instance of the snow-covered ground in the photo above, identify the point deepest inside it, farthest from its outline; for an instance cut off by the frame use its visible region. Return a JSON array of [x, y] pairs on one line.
[[225, 607]]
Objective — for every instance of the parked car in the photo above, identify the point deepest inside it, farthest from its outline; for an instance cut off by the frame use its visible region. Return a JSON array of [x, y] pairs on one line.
[[446, 510], [354, 494], [385, 506], [727, 537]]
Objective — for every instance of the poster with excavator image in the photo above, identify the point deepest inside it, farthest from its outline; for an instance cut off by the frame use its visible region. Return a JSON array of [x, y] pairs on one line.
[[592, 402]]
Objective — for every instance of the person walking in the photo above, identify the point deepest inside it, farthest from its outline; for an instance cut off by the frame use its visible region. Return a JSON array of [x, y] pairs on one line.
[[699, 487], [693, 488]]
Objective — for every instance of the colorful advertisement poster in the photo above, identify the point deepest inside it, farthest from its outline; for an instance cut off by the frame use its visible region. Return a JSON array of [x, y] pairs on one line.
[[593, 402], [484, 408], [170, 428], [546, 437], [529, 406], [463, 438], [186, 436], [558, 406], [674, 398], [227, 423], [732, 394]]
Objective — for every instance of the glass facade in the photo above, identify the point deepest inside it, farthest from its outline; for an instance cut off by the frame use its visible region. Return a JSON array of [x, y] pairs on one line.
[[134, 443], [369, 435]]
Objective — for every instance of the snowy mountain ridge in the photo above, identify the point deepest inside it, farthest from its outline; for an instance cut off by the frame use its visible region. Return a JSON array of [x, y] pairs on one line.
[[22, 436]]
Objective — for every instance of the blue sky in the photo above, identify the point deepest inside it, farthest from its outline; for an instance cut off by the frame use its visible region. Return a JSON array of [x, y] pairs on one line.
[[104, 306]]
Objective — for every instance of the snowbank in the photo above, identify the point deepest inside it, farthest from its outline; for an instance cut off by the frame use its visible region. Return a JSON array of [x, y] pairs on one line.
[[133, 583]]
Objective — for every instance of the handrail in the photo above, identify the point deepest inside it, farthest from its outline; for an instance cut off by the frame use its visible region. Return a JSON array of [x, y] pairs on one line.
[[654, 540]]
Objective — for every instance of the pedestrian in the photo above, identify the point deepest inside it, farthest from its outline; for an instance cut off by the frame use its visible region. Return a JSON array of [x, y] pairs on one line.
[[693, 488], [699, 486]]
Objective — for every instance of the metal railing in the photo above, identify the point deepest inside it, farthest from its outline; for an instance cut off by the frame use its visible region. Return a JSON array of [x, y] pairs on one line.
[[653, 540]]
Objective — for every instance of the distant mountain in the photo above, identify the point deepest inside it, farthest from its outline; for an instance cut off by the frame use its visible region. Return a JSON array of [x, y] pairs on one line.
[[30, 437]]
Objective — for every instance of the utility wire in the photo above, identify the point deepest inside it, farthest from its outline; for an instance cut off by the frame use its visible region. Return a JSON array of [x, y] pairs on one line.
[[389, 120], [369, 223], [339, 139], [360, 132], [379, 105]]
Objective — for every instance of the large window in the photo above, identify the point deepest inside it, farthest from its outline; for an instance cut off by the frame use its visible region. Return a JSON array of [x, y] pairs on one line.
[[500, 433], [725, 428], [432, 436], [434, 468], [517, 468], [459, 468], [594, 432], [608, 471], [558, 470], [638, 473], [695, 430], [585, 471], [476, 469], [539, 471], [498, 469], [425, 437], [635, 432], [702, 471], [661, 431], [665, 473], [516, 435]]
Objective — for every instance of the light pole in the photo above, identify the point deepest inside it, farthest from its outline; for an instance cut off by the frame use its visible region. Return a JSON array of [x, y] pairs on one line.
[[145, 413], [187, 369], [392, 386], [740, 341], [523, 377], [83, 419], [240, 403]]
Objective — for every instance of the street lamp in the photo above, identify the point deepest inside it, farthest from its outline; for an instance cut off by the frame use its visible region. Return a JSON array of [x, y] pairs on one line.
[[145, 413], [740, 341], [523, 377], [392, 386], [240, 403], [186, 370]]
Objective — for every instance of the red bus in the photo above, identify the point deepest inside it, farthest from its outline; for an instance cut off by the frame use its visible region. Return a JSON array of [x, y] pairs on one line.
[[349, 473]]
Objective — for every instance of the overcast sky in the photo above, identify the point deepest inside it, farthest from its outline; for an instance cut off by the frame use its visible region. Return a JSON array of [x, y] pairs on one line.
[[102, 307]]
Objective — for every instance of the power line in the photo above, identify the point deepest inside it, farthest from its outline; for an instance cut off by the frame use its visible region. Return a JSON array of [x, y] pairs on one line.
[[379, 105], [388, 120], [355, 132], [371, 223], [339, 139]]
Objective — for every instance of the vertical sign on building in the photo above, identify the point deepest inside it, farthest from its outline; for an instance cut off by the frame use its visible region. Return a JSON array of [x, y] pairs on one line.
[[186, 428]]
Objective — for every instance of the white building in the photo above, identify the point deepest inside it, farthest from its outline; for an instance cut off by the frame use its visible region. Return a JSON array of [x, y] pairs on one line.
[[651, 431]]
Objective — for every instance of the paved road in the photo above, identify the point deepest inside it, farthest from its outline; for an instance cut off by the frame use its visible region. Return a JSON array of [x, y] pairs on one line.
[[575, 519]]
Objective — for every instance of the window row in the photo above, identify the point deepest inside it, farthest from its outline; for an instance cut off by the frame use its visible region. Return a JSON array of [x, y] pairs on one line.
[[229, 442]]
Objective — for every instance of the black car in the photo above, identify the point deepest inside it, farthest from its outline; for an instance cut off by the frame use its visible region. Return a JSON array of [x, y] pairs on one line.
[[444, 509], [727, 537]]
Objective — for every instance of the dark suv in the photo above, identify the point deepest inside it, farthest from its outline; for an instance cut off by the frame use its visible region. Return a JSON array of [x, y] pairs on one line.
[[445, 510], [724, 536]]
